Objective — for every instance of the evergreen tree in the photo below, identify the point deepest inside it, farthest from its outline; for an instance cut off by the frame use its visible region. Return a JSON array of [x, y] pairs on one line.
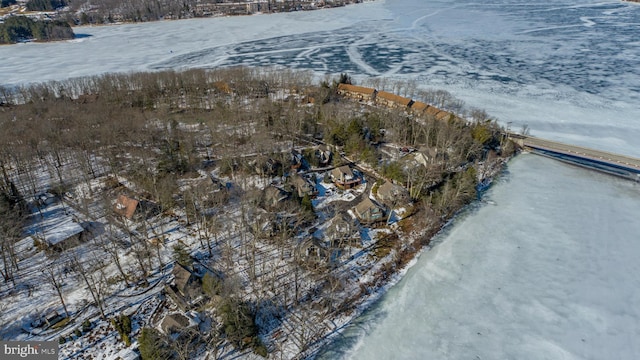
[[153, 345]]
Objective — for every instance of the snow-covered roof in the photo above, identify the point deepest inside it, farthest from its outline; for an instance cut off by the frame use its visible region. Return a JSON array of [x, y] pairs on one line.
[[62, 232], [54, 224]]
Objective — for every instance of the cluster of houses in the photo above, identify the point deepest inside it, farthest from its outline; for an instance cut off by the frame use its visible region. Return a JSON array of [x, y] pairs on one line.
[[387, 99], [248, 7]]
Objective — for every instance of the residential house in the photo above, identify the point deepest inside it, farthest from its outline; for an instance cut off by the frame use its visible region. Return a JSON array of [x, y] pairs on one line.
[[296, 160], [392, 100], [58, 228], [303, 186], [368, 212], [341, 231], [419, 107], [437, 113], [389, 193], [313, 251], [173, 323], [344, 178], [186, 288], [427, 156], [273, 197], [125, 206], [131, 209], [66, 235], [270, 167], [357, 92], [323, 153]]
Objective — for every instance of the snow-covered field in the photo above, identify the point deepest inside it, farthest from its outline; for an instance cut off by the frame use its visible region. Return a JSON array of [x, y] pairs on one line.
[[549, 271]]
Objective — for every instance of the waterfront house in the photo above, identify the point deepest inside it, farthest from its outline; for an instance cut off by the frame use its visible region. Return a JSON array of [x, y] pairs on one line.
[[427, 156], [392, 100], [313, 252], [368, 212], [359, 93], [389, 193], [419, 107], [341, 231]]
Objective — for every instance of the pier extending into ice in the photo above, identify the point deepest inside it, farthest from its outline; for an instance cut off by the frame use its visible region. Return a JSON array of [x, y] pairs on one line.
[[615, 164]]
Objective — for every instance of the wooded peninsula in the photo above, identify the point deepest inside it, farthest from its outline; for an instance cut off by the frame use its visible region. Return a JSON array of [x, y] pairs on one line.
[[252, 212]]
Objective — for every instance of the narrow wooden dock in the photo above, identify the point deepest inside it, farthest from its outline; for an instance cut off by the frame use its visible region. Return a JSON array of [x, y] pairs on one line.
[[615, 164]]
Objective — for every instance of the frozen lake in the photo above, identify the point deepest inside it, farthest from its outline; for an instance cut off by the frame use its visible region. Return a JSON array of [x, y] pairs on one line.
[[547, 272]]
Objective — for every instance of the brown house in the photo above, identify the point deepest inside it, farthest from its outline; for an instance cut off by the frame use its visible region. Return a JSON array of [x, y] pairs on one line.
[[437, 113], [418, 107], [432, 111], [131, 208], [343, 177], [313, 251], [273, 197], [368, 212], [392, 100], [389, 193], [359, 93], [125, 206]]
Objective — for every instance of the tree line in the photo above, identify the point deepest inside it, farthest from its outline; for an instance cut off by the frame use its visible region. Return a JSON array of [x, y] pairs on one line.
[[22, 28]]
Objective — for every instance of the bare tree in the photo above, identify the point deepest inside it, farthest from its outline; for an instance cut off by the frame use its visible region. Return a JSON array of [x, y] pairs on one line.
[[96, 283], [52, 276]]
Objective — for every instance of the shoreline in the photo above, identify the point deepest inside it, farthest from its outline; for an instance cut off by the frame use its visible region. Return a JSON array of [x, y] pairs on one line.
[[367, 303], [212, 16]]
